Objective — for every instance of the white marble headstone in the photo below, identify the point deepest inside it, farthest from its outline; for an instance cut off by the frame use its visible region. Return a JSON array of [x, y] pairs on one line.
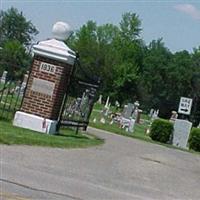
[[127, 112], [100, 99], [181, 134], [4, 76]]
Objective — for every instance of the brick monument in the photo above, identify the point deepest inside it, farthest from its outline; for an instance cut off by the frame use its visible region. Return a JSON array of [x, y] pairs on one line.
[[48, 81]]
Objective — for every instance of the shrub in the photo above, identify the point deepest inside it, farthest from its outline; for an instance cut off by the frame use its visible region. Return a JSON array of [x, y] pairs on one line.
[[194, 140], [161, 130]]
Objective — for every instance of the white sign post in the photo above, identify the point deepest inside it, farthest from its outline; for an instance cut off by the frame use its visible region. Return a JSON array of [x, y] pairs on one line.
[[185, 106]]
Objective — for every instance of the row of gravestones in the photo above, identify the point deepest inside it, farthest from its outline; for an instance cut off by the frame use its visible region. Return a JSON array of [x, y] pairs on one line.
[[19, 89], [182, 128], [127, 119]]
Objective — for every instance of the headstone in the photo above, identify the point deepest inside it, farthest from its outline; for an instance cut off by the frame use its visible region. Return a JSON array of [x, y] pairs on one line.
[[102, 120], [138, 115], [155, 114], [23, 86], [84, 106], [107, 109], [174, 116], [100, 99], [128, 110], [117, 104], [151, 113], [131, 125], [107, 102], [4, 77], [181, 133]]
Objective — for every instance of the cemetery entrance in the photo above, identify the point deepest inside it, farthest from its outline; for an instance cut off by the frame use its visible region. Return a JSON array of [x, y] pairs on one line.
[[78, 103]]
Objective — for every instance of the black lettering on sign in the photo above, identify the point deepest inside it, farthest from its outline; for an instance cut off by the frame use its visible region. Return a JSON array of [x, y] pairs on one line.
[[48, 68]]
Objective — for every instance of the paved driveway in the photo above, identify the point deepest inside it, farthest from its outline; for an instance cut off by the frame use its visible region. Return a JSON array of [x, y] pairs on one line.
[[121, 169]]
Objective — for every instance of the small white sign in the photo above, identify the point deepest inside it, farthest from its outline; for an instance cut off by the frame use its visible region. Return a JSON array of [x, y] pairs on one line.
[[48, 68], [43, 86], [185, 106]]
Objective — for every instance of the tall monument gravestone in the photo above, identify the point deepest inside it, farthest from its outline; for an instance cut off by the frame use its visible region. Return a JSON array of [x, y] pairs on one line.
[[48, 81], [182, 127], [181, 134]]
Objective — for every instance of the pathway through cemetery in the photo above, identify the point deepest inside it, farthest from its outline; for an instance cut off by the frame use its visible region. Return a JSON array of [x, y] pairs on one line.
[[121, 169]]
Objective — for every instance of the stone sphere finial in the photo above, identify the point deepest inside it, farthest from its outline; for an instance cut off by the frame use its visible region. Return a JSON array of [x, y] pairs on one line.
[[61, 30]]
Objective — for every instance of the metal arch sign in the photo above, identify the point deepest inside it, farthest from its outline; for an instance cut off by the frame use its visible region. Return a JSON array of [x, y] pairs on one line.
[[185, 106]]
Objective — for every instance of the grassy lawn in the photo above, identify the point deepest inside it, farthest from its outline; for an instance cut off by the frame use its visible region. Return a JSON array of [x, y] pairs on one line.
[[65, 139], [139, 131]]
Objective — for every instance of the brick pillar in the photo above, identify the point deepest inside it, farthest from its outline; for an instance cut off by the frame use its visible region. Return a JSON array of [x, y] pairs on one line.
[[49, 80], [46, 89]]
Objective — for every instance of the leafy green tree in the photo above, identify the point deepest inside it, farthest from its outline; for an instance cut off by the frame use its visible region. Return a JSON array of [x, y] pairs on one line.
[[112, 53], [129, 54], [130, 26], [94, 45], [15, 59], [195, 84], [155, 74], [14, 26]]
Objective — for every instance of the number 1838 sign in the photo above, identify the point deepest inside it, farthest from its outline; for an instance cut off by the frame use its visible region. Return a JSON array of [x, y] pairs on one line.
[[185, 106]]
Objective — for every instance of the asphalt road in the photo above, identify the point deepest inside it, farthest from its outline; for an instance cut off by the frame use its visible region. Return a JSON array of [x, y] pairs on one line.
[[121, 169]]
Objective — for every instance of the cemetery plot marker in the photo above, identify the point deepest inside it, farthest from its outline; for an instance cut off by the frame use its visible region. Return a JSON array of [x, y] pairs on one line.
[[181, 133]]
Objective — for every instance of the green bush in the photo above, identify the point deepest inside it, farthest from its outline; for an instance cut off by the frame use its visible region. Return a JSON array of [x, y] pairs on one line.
[[161, 130], [194, 141]]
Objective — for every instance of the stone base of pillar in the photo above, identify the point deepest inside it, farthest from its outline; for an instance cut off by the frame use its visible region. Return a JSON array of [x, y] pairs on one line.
[[35, 123]]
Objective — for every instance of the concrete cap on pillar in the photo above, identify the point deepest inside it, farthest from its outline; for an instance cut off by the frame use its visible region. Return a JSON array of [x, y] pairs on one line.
[[55, 48]]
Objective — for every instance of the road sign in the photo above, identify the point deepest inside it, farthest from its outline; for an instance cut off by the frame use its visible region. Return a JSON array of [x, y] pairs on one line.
[[185, 106]]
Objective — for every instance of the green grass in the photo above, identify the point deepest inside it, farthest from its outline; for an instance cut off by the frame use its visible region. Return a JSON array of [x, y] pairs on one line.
[[65, 139], [139, 131], [100, 107]]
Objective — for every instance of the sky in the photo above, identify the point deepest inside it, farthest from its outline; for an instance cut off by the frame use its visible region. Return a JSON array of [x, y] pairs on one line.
[[177, 22]]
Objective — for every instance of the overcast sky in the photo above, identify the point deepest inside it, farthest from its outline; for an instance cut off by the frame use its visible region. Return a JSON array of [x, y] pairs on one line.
[[177, 22]]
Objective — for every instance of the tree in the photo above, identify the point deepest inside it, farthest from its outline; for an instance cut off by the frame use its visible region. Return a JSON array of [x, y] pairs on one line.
[[154, 76], [129, 54], [15, 59], [195, 84], [112, 53], [14, 26], [130, 26], [94, 45]]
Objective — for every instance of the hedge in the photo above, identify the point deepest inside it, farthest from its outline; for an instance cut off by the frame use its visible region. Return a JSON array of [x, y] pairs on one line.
[[194, 140], [161, 130]]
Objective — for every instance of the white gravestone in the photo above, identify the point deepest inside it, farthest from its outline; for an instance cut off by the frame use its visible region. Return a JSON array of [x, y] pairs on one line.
[[4, 76], [181, 133], [131, 125], [128, 110], [107, 102], [100, 99]]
